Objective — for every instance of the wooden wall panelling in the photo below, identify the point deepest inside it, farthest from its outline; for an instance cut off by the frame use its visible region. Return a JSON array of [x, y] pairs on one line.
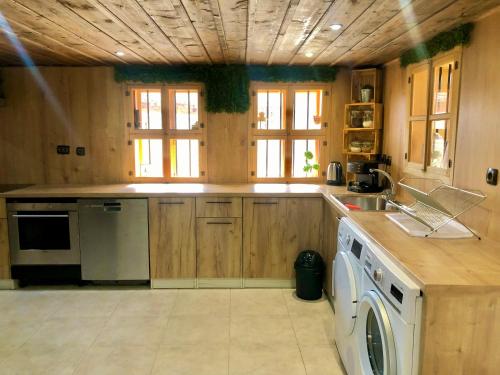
[[477, 134], [468, 345], [172, 238], [341, 92], [219, 248], [76, 106], [227, 147]]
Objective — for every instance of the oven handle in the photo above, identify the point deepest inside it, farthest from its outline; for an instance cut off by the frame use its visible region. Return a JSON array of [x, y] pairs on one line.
[[38, 216]]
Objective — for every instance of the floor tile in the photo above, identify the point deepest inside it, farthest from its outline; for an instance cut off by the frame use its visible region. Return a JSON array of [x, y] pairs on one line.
[[193, 330], [31, 359], [29, 305], [322, 360], [66, 332], [257, 302], [132, 331], [86, 303], [15, 332], [206, 359], [262, 330], [314, 330], [265, 360], [117, 360], [297, 306], [202, 302], [146, 303]]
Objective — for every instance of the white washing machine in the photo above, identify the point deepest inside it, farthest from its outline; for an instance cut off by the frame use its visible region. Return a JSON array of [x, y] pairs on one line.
[[389, 318], [346, 278]]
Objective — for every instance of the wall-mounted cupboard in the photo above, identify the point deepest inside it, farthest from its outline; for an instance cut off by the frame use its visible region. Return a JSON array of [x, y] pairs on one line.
[[432, 116]]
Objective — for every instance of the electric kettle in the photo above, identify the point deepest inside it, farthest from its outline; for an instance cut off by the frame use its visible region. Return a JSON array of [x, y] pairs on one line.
[[334, 174]]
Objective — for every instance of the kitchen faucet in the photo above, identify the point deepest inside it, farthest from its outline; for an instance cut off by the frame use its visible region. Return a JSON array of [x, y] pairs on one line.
[[389, 194]]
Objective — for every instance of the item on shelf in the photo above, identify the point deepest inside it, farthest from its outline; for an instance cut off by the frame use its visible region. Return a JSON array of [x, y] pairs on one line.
[[367, 93], [355, 146], [368, 119], [356, 119], [367, 146]]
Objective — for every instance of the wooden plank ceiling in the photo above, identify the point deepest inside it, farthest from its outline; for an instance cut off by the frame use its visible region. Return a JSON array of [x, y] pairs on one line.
[[296, 32]]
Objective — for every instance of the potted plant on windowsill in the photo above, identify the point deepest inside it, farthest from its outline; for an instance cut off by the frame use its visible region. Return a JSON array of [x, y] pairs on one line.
[[308, 167]]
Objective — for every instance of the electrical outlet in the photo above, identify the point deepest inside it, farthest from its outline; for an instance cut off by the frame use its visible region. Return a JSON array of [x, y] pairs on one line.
[[492, 176], [80, 151], [63, 149]]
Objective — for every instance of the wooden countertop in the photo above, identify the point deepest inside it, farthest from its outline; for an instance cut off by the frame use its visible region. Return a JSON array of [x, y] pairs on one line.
[[432, 263], [159, 190]]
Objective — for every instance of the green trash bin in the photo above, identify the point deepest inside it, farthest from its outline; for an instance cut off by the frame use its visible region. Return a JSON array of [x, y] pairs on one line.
[[309, 271]]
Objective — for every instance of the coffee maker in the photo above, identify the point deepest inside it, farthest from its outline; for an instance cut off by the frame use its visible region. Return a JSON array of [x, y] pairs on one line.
[[364, 180]]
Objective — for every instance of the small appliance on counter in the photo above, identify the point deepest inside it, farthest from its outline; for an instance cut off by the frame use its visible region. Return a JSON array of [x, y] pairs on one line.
[[364, 180], [334, 174]]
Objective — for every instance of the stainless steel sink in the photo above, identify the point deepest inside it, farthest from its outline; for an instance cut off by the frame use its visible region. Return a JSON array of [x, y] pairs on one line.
[[365, 202]]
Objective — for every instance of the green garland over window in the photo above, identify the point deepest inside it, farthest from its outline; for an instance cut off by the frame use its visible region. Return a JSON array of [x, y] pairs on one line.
[[227, 86], [442, 42]]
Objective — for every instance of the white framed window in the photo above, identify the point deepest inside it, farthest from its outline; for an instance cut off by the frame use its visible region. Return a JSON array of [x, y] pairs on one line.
[[288, 132], [169, 134]]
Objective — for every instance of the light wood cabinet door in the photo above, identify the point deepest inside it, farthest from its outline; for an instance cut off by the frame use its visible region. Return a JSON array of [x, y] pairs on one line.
[[4, 250], [219, 248], [172, 238], [275, 230]]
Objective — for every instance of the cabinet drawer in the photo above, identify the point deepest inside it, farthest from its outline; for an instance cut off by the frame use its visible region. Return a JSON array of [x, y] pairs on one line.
[[218, 207]]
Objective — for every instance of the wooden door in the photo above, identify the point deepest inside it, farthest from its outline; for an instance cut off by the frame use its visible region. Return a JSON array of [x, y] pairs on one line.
[[219, 248], [275, 230], [172, 238]]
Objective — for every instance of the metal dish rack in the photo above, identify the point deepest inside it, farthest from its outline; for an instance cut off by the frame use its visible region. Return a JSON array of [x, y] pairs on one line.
[[437, 203]]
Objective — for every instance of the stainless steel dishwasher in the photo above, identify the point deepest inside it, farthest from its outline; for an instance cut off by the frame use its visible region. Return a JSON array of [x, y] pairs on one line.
[[114, 239]]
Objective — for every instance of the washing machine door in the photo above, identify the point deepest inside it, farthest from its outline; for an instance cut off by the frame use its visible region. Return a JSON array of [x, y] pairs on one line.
[[375, 337], [345, 295]]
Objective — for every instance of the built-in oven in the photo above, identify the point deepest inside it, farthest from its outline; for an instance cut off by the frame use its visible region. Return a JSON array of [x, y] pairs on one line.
[[43, 232]]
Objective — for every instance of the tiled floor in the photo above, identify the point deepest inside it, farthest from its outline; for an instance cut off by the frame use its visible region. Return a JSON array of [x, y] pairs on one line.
[[177, 332]]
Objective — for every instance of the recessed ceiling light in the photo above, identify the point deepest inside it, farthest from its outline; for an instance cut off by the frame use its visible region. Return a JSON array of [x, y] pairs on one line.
[[120, 53], [336, 26], [309, 54]]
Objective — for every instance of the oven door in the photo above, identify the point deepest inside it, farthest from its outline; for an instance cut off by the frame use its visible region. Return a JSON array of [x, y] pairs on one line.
[[44, 237]]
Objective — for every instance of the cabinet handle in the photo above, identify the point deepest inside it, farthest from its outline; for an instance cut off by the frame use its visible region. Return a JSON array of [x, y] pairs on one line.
[[221, 202], [265, 202], [170, 202], [219, 222], [338, 218]]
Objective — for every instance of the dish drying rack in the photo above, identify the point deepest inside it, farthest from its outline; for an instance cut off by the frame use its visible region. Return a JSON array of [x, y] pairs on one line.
[[437, 203]]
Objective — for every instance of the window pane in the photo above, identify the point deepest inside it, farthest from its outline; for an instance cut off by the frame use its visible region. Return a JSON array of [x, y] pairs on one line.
[[269, 158], [184, 158], [307, 110], [419, 93], [439, 143], [148, 158], [441, 94], [270, 105], [185, 105], [147, 109], [417, 142], [303, 166]]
